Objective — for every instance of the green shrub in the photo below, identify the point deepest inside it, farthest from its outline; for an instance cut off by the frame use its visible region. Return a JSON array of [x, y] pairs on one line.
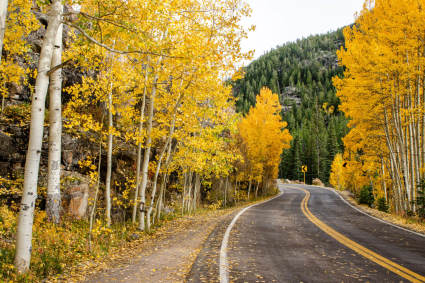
[[366, 196], [420, 199], [382, 204]]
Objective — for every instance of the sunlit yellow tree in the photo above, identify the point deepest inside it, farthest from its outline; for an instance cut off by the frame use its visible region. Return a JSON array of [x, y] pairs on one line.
[[264, 137], [20, 23], [382, 93]]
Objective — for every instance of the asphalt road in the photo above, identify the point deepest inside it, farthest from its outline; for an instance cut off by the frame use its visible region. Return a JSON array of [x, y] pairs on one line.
[[308, 234]]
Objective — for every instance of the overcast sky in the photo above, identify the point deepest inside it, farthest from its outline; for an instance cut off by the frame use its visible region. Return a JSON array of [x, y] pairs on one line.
[[281, 21]]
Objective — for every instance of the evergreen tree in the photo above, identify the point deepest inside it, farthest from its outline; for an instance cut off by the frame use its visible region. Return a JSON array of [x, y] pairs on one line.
[[301, 73]]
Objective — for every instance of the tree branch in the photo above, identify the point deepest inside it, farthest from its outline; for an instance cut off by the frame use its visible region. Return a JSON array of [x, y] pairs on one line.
[[115, 50], [49, 72]]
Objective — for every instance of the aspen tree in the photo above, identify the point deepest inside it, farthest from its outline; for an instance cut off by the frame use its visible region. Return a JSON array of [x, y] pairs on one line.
[[382, 93], [109, 156], [3, 16], [26, 212], [55, 132], [146, 154], [139, 145], [161, 156], [263, 138]]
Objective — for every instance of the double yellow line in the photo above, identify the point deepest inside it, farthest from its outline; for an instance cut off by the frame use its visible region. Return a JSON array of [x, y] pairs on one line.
[[382, 261]]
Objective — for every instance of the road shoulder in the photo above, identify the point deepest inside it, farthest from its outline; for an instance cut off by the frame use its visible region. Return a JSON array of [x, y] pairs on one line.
[[406, 223], [169, 254]]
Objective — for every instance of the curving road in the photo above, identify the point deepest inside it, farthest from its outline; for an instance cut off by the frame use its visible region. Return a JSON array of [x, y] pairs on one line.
[[309, 234]]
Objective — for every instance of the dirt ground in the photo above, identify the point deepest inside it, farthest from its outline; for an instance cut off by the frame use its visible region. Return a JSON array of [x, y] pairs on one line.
[[165, 258]]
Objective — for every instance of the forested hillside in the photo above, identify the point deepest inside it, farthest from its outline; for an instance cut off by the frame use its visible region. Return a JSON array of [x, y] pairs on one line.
[[301, 72]]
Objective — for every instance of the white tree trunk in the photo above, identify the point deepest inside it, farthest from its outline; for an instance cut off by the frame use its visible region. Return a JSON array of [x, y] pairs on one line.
[[55, 132], [164, 181], [109, 161], [160, 198], [146, 155], [189, 191], [3, 15], [167, 146], [147, 152], [32, 163], [384, 185], [155, 183], [139, 150]]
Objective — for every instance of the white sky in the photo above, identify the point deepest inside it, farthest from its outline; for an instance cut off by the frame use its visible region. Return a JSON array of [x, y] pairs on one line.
[[280, 21]]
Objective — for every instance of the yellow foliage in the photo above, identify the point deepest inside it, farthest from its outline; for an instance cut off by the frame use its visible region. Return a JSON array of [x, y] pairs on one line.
[[337, 173], [20, 23], [382, 94], [264, 137]]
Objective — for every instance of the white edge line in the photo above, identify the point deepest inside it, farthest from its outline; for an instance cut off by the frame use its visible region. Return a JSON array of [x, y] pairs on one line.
[[371, 216], [224, 269]]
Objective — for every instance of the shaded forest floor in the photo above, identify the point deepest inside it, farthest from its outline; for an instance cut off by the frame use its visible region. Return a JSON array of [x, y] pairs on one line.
[[411, 223], [165, 255]]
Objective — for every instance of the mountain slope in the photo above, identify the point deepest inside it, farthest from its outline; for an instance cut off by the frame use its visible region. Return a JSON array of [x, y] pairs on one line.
[[301, 73]]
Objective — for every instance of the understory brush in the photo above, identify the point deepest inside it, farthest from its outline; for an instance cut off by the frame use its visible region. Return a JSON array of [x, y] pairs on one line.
[[58, 248]]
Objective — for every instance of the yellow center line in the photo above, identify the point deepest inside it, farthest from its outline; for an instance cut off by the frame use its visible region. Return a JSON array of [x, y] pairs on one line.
[[382, 261]]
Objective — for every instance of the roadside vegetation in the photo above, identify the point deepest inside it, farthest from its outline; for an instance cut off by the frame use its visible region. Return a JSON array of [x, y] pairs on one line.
[[382, 93]]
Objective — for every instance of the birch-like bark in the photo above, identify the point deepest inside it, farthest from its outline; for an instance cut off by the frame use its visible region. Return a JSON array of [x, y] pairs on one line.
[[139, 150], [249, 188], [384, 185], [32, 163], [146, 155], [53, 205], [109, 160], [164, 181], [160, 198], [189, 191], [154, 186], [184, 190], [167, 146], [3, 16]]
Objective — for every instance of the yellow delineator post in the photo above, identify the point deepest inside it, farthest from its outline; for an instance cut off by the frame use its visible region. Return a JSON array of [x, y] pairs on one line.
[[304, 169]]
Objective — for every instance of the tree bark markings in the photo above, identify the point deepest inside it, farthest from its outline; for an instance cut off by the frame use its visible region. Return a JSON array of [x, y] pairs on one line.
[[29, 196]]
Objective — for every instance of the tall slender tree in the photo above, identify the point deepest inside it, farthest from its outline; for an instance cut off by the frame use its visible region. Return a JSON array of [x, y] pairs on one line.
[[55, 131], [29, 195], [3, 16]]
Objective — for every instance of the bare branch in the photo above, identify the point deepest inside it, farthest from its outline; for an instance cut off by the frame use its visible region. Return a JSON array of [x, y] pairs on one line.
[[49, 72]]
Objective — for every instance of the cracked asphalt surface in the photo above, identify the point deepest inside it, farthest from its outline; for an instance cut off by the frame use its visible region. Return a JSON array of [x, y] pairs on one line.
[[276, 242]]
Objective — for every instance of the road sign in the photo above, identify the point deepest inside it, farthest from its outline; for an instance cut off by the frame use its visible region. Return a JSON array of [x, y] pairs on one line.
[[304, 169]]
